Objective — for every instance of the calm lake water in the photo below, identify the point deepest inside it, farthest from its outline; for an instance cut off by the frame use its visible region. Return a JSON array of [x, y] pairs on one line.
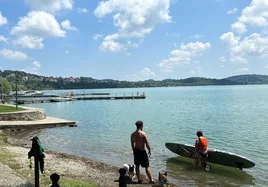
[[234, 118]]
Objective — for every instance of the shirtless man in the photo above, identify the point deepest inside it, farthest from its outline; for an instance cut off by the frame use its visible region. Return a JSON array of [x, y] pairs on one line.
[[138, 142]]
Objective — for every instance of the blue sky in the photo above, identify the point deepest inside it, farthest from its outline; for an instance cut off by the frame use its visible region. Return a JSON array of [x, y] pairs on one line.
[[134, 39]]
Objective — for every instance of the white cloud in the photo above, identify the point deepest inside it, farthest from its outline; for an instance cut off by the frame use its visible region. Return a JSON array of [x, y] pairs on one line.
[[233, 11], [240, 49], [197, 36], [195, 47], [36, 64], [33, 68], [30, 42], [239, 27], [13, 55], [147, 72], [67, 25], [111, 46], [50, 5], [144, 74], [97, 36], [134, 18], [132, 44], [242, 70], [82, 10], [3, 39], [230, 39], [67, 52], [183, 55], [3, 20], [114, 46], [256, 14], [222, 59], [39, 24]]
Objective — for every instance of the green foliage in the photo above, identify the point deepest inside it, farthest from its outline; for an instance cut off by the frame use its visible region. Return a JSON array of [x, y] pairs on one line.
[[36, 82], [6, 86], [250, 79]]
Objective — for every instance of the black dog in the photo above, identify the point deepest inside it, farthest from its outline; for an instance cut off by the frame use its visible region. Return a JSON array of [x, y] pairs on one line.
[[122, 178]]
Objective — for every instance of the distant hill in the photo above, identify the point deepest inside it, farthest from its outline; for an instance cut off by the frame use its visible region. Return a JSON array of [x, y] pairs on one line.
[[28, 81], [249, 79]]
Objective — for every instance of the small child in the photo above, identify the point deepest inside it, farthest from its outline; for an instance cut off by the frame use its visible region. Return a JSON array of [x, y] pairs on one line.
[[54, 177]]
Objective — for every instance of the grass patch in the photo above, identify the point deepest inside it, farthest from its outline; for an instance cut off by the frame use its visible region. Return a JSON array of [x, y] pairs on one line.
[[5, 108]]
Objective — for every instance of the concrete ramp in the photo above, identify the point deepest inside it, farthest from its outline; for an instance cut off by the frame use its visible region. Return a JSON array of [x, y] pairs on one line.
[[49, 122]]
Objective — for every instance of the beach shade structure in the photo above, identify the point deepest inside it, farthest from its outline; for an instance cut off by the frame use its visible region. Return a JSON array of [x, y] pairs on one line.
[[37, 152]]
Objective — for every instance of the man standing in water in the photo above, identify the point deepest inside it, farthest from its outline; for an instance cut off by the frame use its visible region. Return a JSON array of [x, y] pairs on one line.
[[201, 149], [138, 142]]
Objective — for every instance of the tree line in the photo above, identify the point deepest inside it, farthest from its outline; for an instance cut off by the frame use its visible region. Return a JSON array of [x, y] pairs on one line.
[[28, 81]]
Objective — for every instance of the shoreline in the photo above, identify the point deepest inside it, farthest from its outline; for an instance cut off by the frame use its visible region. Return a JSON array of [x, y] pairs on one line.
[[79, 170]]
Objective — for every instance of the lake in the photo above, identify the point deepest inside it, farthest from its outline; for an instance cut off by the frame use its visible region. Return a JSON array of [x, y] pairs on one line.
[[233, 118]]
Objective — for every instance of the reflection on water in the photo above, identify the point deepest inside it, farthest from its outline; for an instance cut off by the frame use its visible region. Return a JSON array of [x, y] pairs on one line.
[[182, 172]]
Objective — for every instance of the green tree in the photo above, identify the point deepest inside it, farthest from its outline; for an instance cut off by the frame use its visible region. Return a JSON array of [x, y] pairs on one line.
[[6, 86]]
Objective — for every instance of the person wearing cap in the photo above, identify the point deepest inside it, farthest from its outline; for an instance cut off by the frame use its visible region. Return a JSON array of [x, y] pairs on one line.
[[201, 149], [138, 142]]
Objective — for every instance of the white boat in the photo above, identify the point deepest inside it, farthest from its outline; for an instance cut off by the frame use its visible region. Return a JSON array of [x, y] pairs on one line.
[[34, 93], [20, 93], [61, 99]]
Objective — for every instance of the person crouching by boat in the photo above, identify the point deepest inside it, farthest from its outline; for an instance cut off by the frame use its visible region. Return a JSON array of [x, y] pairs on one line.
[[201, 149]]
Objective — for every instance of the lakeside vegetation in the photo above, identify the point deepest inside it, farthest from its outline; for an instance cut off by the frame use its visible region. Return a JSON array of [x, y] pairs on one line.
[[28, 81], [5, 108]]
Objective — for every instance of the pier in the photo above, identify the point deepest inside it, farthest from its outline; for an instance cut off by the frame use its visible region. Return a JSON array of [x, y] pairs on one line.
[[77, 96]]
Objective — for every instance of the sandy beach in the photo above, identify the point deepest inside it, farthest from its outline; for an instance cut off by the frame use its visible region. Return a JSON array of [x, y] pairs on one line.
[[73, 170]]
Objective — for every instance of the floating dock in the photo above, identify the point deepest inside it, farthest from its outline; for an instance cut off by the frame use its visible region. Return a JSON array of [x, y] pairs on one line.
[[57, 95], [76, 97], [44, 100]]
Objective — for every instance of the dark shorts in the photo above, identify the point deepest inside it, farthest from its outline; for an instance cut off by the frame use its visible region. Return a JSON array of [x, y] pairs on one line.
[[204, 154], [141, 158]]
